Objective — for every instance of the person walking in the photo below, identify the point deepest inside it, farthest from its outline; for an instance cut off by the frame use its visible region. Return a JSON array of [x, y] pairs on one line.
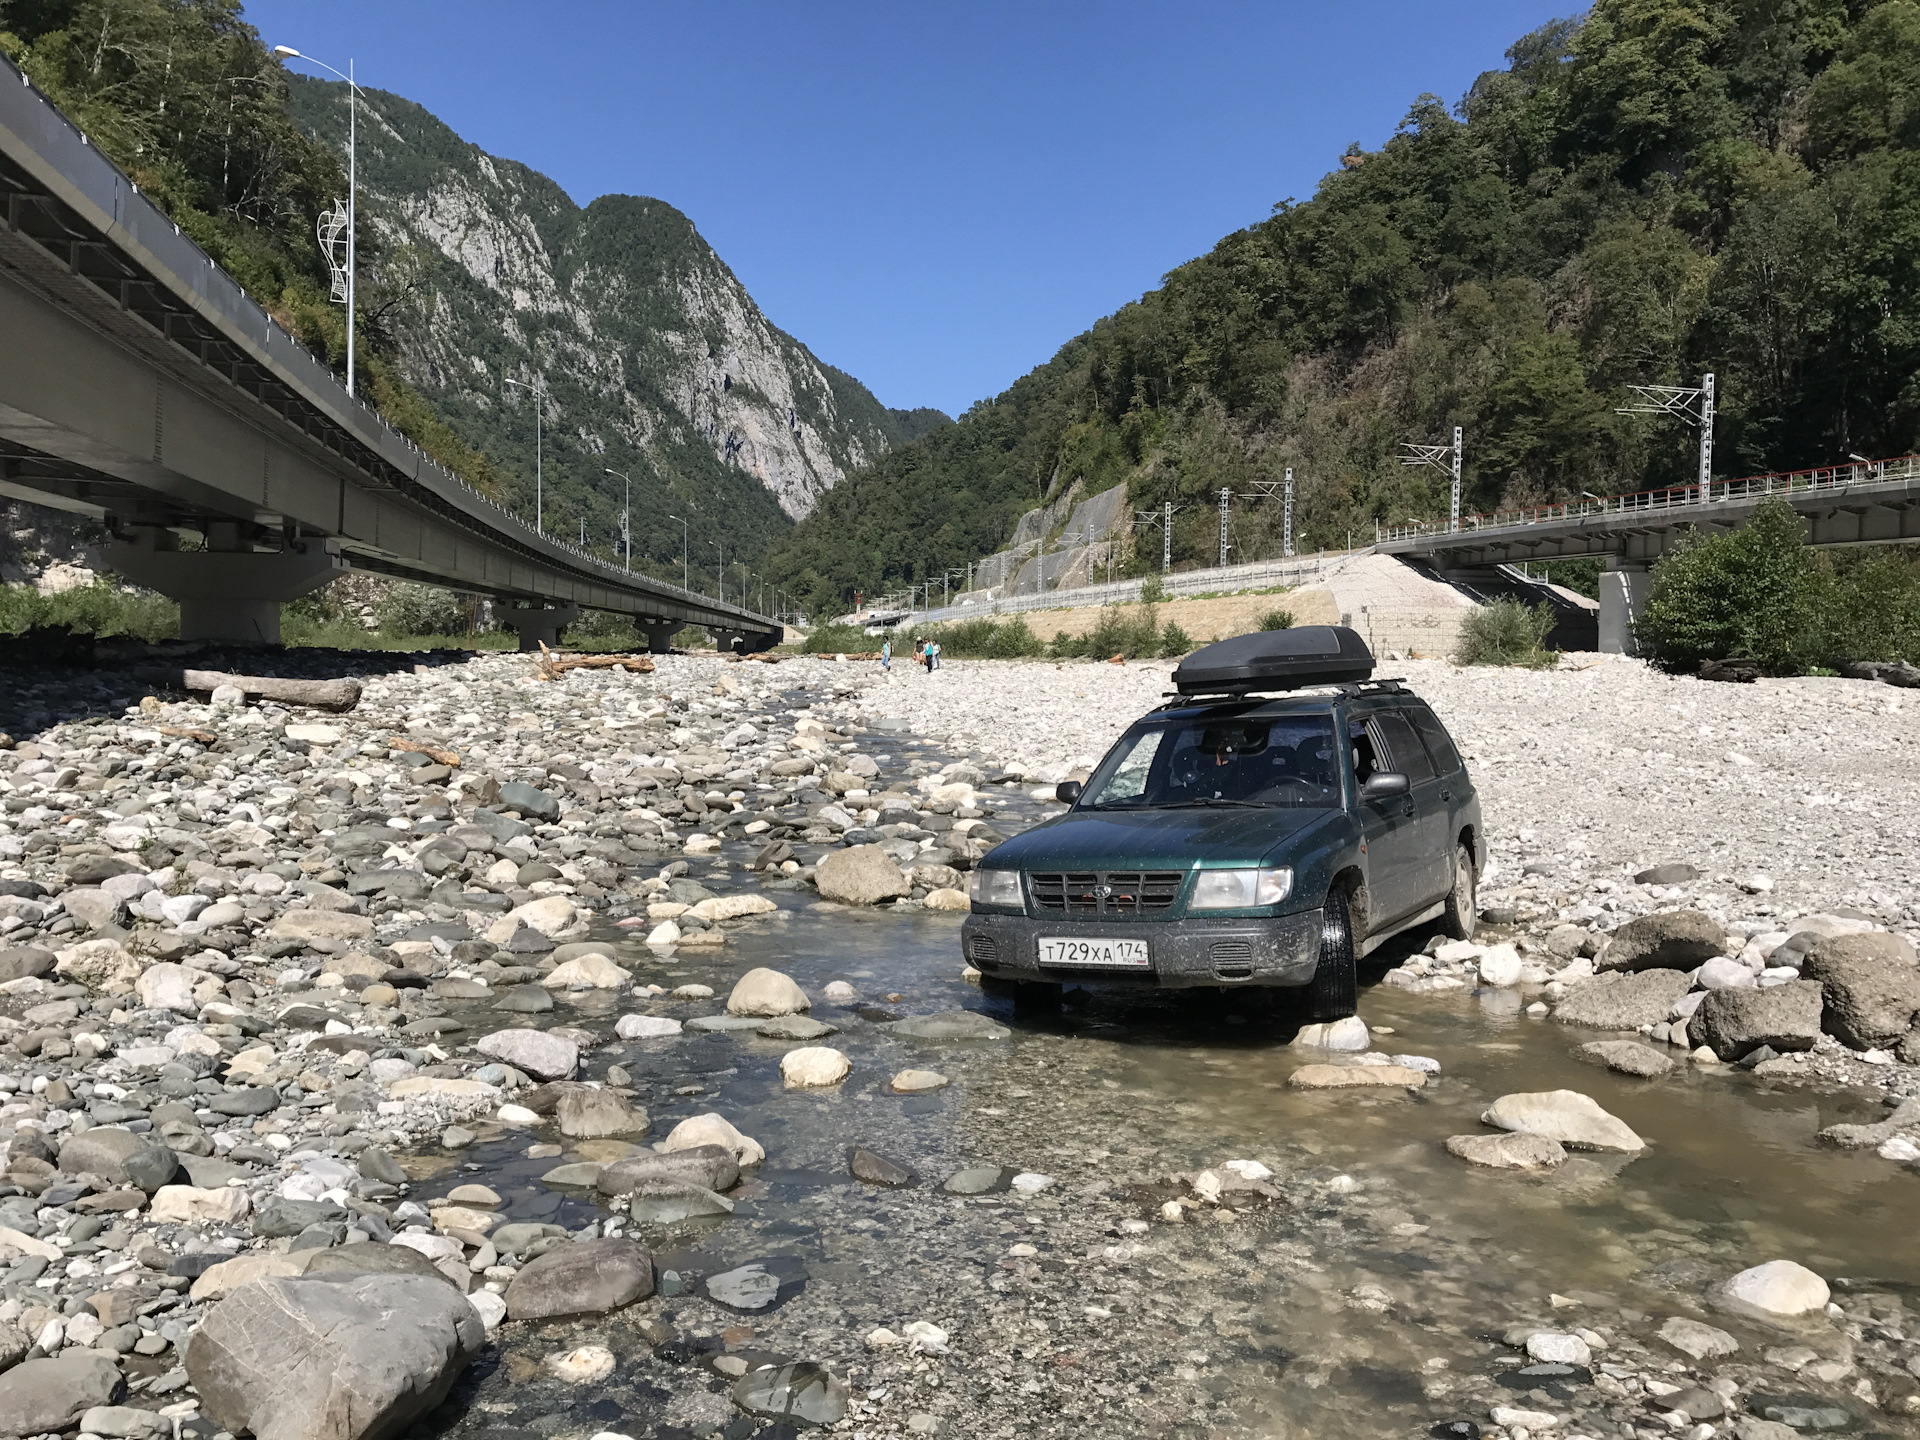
[[936, 654], [886, 654], [926, 655]]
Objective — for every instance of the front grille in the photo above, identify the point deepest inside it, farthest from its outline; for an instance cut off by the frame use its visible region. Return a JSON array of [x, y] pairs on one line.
[[981, 950], [1114, 893], [1232, 952]]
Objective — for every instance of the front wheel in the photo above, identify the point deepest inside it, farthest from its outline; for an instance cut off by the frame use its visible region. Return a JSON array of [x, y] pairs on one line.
[[1457, 920], [1336, 984], [1037, 996]]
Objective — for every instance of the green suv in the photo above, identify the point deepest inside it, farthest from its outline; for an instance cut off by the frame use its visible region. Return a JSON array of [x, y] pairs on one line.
[[1274, 823]]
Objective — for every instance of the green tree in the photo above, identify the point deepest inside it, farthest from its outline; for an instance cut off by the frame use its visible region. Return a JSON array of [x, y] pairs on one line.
[[1754, 593]]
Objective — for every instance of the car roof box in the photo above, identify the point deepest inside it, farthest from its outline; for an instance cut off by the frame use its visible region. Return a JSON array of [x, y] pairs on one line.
[[1276, 660]]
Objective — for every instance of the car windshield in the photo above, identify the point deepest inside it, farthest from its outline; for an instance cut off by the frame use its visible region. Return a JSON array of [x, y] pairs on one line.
[[1286, 760]]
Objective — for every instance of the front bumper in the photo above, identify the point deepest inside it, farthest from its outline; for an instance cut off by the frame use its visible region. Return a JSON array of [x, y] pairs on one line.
[[1283, 950]]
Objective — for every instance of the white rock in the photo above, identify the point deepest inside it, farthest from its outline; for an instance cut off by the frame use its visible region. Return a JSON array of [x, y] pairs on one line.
[[1516, 1419], [186, 1205], [1779, 1287], [1567, 1116], [814, 1065], [582, 1366], [1499, 966], [713, 1129], [645, 1027], [314, 734], [168, 987], [840, 992], [1550, 1347], [881, 1339], [733, 907], [1722, 973], [923, 1337], [665, 933], [1030, 1183], [1350, 1034], [767, 992], [1248, 1169], [1458, 952], [491, 1308], [587, 972], [1901, 1149]]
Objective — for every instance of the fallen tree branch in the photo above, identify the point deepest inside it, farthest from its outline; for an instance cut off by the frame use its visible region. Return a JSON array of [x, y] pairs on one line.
[[313, 694], [551, 666], [449, 758]]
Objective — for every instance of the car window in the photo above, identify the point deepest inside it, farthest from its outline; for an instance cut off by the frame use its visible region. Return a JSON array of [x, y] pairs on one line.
[[1287, 760], [1434, 736], [1404, 749]]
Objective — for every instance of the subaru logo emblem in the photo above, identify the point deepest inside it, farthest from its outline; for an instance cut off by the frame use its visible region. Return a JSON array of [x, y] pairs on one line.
[[1103, 891]]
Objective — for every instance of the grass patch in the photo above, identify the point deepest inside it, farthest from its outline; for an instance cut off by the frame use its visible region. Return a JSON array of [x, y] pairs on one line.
[[101, 609]]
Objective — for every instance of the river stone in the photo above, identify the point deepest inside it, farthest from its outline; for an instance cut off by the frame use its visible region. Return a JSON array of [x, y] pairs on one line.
[[813, 1066], [1353, 1077], [912, 1082], [528, 800], [795, 1027], [375, 1260], [1777, 1289], [18, 964], [322, 925], [669, 1202], [1733, 1023], [592, 1114], [1870, 987], [104, 1151], [860, 875], [584, 1365], [1621, 1000], [249, 1100], [766, 992], [1573, 1119], [1668, 940], [802, 1391], [877, 1169], [1628, 1057], [540, 1053], [979, 1180], [1701, 1341], [190, 1205], [1670, 874], [589, 1277], [645, 1027], [713, 1167], [281, 1215], [698, 1131], [1554, 1347], [93, 907], [525, 1000], [750, 1287], [951, 1025], [1507, 1152], [39, 1397], [168, 987], [299, 1359], [125, 1422], [587, 972]]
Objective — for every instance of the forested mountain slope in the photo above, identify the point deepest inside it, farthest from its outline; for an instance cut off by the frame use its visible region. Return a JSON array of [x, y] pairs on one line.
[[1661, 188]]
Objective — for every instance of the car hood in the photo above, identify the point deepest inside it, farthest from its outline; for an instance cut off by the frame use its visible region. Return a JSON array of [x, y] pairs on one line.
[[1161, 839]]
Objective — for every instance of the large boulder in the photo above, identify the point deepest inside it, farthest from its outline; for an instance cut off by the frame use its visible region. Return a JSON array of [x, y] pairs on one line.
[[860, 875], [1779, 1289], [713, 1167], [1669, 940], [594, 1114], [40, 1397], [767, 992], [119, 1155], [349, 1359], [1621, 1000], [1733, 1023], [589, 1277], [699, 1131], [1870, 987], [1573, 1119], [543, 1055]]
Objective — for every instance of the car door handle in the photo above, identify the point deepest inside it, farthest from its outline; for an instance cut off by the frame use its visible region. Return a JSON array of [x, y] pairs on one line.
[[1446, 794], [1410, 811]]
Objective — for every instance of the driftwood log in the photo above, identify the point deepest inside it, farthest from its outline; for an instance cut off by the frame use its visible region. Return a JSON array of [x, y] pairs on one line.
[[551, 666], [313, 694]]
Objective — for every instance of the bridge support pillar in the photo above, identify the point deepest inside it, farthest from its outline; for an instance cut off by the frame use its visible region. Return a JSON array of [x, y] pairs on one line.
[[1623, 595], [660, 637], [537, 624], [232, 595]]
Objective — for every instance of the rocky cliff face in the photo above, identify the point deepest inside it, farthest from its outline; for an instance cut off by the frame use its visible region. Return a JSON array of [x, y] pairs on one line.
[[652, 355]]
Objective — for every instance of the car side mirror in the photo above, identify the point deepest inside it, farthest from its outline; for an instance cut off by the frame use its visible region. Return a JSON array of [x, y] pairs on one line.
[[1067, 791], [1384, 785]]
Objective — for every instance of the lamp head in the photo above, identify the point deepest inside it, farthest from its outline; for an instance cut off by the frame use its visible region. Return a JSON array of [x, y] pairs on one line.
[[287, 52]]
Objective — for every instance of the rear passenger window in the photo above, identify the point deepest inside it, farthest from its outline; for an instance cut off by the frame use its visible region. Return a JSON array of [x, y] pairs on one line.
[[1439, 744], [1409, 757]]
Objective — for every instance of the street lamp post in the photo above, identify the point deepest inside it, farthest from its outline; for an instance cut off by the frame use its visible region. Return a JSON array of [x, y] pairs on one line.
[[626, 517], [720, 574], [287, 52], [539, 480], [685, 582]]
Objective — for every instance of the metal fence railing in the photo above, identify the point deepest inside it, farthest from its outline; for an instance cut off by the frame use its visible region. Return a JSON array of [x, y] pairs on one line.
[[1674, 498]]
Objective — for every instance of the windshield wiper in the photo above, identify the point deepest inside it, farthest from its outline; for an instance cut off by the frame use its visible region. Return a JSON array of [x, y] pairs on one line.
[[1211, 801]]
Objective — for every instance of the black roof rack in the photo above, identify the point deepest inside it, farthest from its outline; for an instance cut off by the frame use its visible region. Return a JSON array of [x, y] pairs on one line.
[[1276, 661], [1174, 700]]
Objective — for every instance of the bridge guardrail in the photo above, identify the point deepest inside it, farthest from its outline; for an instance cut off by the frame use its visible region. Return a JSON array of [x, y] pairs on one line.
[[1673, 498]]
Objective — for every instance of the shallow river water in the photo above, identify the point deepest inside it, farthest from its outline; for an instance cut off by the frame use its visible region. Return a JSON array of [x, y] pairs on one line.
[[1369, 1300]]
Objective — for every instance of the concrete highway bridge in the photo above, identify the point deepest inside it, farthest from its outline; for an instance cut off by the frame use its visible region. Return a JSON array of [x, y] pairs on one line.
[[1864, 502], [140, 386]]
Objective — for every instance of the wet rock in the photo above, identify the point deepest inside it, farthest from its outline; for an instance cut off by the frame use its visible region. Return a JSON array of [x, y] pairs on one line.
[[1671, 874], [876, 1169], [529, 800], [713, 1167], [1699, 1340], [1622, 1000], [579, 1172], [1861, 1137], [540, 1053], [585, 1365], [188, 1205], [860, 875], [669, 1202], [840, 992], [1351, 1077], [1668, 940], [1552, 1347], [766, 992], [813, 1066], [281, 1216], [1779, 1289], [527, 999], [749, 1287], [587, 972], [1628, 1057], [39, 1397], [291, 1359], [1500, 966], [713, 1129], [1350, 1035], [1507, 1152], [590, 1114], [913, 1082], [20, 963], [646, 1027], [1567, 1116], [801, 1391], [950, 1025], [589, 1277], [1869, 985], [979, 1180], [1733, 1022], [795, 1027]]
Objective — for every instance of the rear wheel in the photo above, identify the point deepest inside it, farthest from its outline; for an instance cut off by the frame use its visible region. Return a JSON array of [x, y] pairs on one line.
[[1334, 993], [1457, 920]]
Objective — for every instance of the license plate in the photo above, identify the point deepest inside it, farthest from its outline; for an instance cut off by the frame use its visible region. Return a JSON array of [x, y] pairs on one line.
[[1078, 950]]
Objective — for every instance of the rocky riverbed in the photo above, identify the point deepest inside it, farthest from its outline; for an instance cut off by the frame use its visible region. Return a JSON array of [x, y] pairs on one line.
[[515, 1057]]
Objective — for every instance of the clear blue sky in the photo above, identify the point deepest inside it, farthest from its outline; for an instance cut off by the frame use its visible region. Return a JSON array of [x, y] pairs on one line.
[[933, 197]]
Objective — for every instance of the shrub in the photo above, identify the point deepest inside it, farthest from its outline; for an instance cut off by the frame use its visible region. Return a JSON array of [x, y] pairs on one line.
[[602, 630], [101, 608], [1277, 620], [1121, 630], [1174, 642], [1014, 640], [410, 609], [1507, 633], [1873, 609], [1755, 593], [1152, 590], [839, 639]]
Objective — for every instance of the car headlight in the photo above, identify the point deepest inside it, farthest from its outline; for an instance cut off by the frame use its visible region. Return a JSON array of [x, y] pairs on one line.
[[995, 887], [1240, 889]]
